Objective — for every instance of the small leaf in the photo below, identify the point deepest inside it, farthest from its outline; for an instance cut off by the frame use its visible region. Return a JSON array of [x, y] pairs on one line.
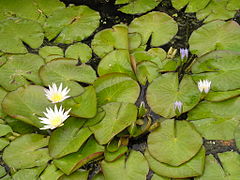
[[50, 53], [51, 173]]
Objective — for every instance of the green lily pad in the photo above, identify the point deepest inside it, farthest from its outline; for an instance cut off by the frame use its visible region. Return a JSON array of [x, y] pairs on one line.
[[96, 119], [3, 93], [5, 129], [32, 173], [78, 175], [69, 138], [215, 10], [216, 35], [37, 10], [49, 53], [2, 171], [51, 173], [160, 27], [3, 143], [221, 68], [112, 156], [222, 96], [67, 73], [85, 105], [79, 51], [72, 162], [18, 31], [116, 87], [134, 41], [161, 95], [19, 70], [147, 71], [70, 24], [135, 167], [237, 136], [192, 5], [217, 129], [228, 109], [174, 143], [194, 167], [107, 40], [31, 152], [31, 103], [116, 61], [137, 6], [118, 117]]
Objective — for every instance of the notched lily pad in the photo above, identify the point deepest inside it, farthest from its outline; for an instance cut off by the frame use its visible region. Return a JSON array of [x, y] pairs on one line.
[[160, 27], [49, 53], [27, 151], [70, 24], [19, 70], [18, 31]]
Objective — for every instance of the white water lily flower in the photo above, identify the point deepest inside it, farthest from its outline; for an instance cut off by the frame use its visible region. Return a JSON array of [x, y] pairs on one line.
[[55, 94], [178, 106], [54, 118], [204, 86]]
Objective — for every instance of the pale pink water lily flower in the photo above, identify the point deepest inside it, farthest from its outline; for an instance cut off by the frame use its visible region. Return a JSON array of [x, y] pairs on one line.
[[204, 85], [54, 117], [55, 94]]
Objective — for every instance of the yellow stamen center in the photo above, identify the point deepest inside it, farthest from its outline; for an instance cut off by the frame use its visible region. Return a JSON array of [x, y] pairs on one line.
[[56, 97], [56, 121]]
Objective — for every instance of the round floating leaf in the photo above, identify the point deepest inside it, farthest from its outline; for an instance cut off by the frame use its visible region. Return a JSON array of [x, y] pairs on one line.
[[107, 40], [222, 68], [228, 109], [118, 117], [68, 73], [161, 95], [160, 27], [116, 87], [174, 143], [3, 93], [215, 10], [116, 61], [19, 70], [74, 23], [216, 35], [32, 173], [35, 10], [69, 138], [27, 151], [222, 96], [217, 129], [26, 104], [194, 167], [51, 172], [18, 31], [112, 156], [74, 161], [137, 6], [79, 51], [3, 143], [5, 129], [192, 5], [135, 167], [50, 53]]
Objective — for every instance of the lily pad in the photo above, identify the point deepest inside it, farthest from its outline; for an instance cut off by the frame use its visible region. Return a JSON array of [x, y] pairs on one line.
[[85, 105], [69, 138], [68, 73], [216, 35], [3, 143], [79, 51], [51, 172], [31, 152], [112, 156], [31, 103], [217, 129], [32, 173], [78, 175], [96, 119], [194, 167], [222, 96], [174, 143], [221, 68], [3, 93], [116, 87], [49, 53], [161, 95], [192, 5], [107, 40], [72, 162], [135, 167], [116, 61], [19, 70], [70, 24], [160, 27], [137, 6], [18, 31], [118, 117], [5, 129], [216, 10], [228, 109]]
